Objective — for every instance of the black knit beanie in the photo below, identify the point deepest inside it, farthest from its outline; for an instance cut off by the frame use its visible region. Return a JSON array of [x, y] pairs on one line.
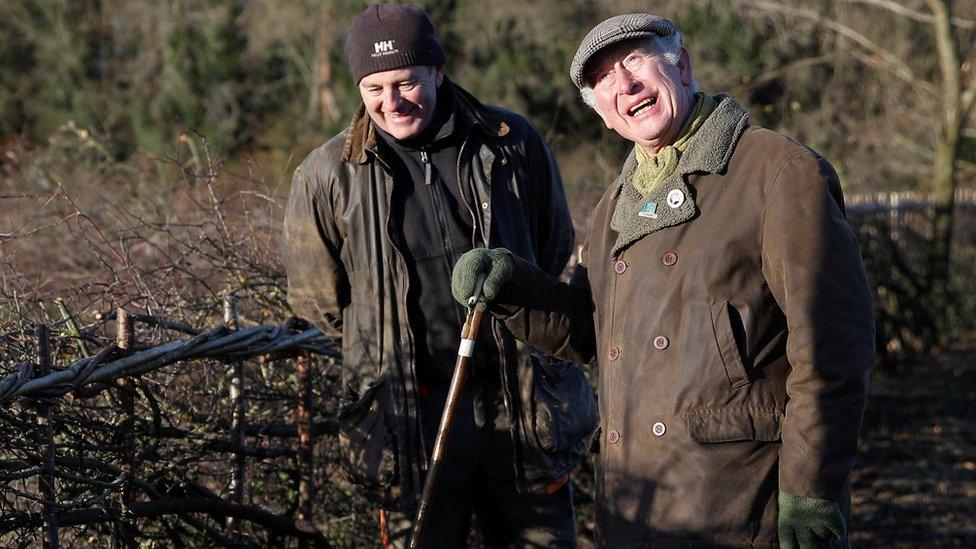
[[391, 36]]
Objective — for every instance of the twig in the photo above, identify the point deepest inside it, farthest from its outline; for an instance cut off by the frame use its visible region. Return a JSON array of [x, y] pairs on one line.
[[72, 326]]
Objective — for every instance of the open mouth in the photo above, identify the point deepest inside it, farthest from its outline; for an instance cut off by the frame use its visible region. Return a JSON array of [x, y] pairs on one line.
[[642, 106]]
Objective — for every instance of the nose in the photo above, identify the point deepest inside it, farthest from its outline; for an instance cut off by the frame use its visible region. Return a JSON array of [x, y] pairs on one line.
[[625, 80], [391, 99]]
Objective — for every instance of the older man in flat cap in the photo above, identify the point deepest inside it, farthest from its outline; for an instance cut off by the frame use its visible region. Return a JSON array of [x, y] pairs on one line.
[[722, 293]]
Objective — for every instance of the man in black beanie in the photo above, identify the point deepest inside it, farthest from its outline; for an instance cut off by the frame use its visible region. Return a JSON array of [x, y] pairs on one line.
[[376, 219]]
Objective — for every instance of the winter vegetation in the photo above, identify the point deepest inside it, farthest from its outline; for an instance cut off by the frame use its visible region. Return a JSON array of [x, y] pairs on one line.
[[146, 148]]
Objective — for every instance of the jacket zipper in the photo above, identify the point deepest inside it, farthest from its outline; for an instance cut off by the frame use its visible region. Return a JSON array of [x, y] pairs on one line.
[[428, 175], [464, 200], [433, 193], [435, 198]]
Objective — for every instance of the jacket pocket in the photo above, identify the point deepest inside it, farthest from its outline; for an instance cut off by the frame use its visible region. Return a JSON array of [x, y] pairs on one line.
[[564, 406], [727, 347], [366, 442], [735, 424]]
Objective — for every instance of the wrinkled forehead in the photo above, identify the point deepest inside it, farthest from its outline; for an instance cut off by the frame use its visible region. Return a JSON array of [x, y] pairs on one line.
[[610, 55]]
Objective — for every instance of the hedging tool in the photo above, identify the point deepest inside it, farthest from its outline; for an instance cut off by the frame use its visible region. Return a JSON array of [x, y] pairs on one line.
[[468, 334]]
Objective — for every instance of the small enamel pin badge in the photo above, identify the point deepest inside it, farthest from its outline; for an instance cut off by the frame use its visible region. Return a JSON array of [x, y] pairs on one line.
[[649, 210], [676, 198]]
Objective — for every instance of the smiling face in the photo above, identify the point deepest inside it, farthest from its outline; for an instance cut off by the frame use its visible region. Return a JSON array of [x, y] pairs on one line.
[[641, 95], [401, 102]]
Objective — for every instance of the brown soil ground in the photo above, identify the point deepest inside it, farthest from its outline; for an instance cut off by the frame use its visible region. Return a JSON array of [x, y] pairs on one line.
[[915, 483]]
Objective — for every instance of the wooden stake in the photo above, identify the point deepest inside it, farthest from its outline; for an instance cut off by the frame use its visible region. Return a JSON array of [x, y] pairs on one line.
[[124, 340], [303, 417], [46, 481], [237, 419]]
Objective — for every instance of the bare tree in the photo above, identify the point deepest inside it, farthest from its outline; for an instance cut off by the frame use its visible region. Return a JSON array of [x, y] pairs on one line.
[[934, 80], [955, 41]]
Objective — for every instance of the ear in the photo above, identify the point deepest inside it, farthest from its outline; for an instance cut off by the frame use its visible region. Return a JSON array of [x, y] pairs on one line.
[[439, 71], [684, 67]]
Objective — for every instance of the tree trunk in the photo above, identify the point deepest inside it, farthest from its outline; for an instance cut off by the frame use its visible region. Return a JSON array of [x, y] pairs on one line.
[[953, 114], [939, 260], [323, 95]]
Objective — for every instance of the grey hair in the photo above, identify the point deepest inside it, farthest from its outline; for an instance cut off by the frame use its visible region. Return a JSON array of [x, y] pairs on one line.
[[589, 99], [670, 49]]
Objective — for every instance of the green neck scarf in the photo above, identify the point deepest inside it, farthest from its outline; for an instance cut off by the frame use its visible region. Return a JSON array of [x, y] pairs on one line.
[[652, 170]]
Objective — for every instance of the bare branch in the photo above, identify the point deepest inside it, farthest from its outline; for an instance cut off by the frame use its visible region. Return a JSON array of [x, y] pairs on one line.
[[888, 60], [968, 99], [281, 524], [948, 61], [786, 69], [916, 15]]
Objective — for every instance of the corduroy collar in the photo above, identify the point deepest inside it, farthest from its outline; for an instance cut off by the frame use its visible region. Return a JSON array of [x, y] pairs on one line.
[[361, 138]]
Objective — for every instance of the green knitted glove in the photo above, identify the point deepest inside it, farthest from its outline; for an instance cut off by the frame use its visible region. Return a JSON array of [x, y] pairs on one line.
[[806, 523], [495, 264]]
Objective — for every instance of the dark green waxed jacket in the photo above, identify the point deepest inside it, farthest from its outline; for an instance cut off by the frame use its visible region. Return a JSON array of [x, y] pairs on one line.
[[731, 320], [347, 276]]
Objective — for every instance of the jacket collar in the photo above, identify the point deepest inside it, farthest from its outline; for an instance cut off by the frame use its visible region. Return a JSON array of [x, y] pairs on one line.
[[361, 134], [672, 202]]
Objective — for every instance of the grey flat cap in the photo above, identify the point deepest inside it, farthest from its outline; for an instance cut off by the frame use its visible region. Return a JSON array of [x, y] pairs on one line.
[[613, 30]]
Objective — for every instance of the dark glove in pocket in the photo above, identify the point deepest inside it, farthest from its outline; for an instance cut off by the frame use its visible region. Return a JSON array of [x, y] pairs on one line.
[[366, 442], [565, 407]]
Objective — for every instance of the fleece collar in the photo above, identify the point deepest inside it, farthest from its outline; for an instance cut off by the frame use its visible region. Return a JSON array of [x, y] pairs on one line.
[[672, 202], [361, 136]]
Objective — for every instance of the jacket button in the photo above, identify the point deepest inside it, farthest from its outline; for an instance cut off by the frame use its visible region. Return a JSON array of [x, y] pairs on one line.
[[620, 266], [613, 437], [658, 429], [669, 258], [661, 343], [613, 353]]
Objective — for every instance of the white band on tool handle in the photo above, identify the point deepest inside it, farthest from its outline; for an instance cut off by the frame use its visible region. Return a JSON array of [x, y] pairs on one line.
[[466, 348]]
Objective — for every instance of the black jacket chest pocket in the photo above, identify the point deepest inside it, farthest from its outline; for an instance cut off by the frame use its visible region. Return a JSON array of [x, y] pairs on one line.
[[730, 340]]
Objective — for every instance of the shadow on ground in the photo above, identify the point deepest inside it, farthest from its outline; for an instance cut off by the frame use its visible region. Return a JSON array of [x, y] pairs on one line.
[[915, 483]]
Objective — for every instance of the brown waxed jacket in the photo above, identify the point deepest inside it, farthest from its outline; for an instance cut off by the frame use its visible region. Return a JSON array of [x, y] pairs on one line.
[[347, 276], [733, 334]]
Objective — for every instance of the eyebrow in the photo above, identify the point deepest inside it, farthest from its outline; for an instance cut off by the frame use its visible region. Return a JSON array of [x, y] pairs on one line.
[[592, 72], [589, 75], [409, 79]]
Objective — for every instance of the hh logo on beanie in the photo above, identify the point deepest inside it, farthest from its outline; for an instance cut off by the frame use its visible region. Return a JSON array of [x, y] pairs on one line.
[[384, 47]]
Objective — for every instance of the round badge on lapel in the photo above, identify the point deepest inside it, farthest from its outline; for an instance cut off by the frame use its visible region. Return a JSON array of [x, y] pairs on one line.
[[676, 198]]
